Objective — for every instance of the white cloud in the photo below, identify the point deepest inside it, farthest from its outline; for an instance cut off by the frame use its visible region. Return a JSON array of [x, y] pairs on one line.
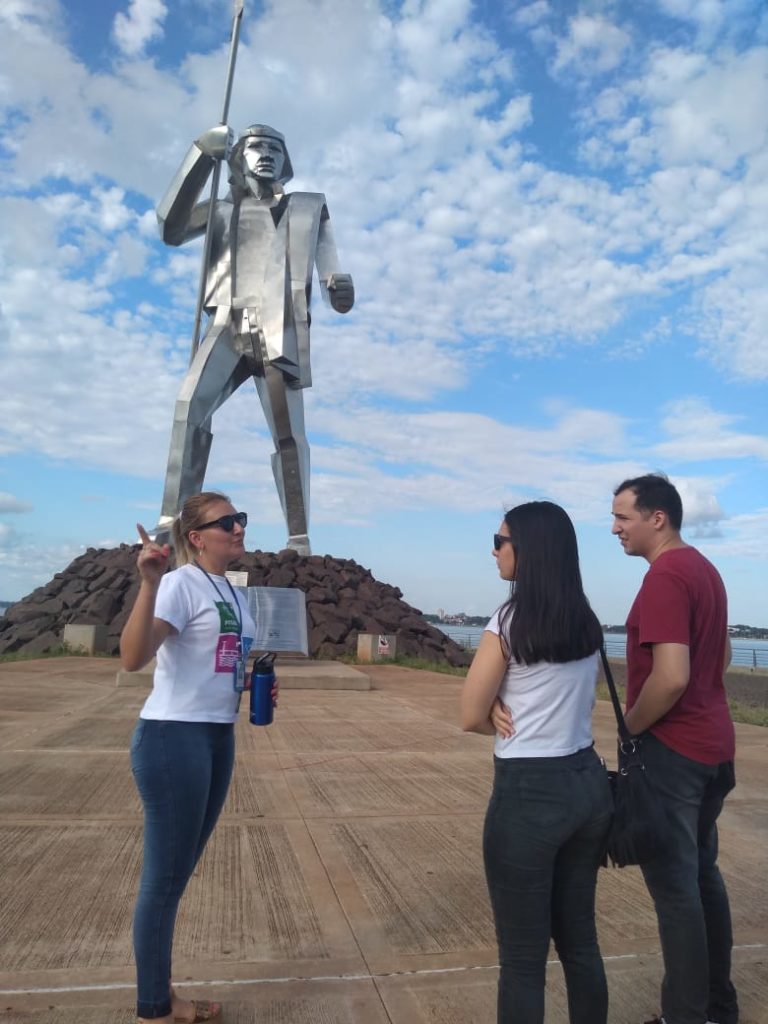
[[702, 512], [592, 46], [734, 321], [696, 140], [745, 538], [697, 432], [25, 565], [691, 108], [707, 109], [708, 14], [10, 504], [459, 461], [113, 212], [25, 16], [140, 25], [530, 15]]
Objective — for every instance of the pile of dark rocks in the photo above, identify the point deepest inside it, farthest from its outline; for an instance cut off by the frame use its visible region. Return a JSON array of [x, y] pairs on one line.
[[343, 599]]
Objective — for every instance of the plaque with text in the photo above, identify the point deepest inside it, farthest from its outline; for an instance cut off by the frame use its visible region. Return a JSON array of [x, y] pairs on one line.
[[280, 614]]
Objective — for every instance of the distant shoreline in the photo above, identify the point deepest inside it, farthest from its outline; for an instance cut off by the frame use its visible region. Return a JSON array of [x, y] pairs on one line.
[[747, 652], [740, 631], [737, 632]]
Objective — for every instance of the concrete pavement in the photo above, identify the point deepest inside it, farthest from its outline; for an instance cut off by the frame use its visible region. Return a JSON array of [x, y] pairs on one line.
[[344, 882]]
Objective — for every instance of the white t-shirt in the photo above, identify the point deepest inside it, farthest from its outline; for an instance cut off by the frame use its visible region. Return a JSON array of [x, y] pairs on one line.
[[551, 705], [194, 678]]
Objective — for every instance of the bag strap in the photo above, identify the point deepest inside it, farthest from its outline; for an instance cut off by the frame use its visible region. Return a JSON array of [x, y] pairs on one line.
[[624, 733]]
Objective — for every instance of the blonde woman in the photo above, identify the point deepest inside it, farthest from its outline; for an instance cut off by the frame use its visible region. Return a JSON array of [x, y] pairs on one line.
[[182, 752]]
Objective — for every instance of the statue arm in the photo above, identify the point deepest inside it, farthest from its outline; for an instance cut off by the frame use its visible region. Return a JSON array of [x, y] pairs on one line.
[[179, 215], [337, 288]]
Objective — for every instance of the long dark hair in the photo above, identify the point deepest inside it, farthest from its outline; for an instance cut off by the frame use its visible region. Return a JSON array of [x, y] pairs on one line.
[[547, 616]]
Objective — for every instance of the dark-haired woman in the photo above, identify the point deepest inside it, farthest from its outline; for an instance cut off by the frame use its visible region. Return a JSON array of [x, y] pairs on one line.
[[182, 751], [532, 684]]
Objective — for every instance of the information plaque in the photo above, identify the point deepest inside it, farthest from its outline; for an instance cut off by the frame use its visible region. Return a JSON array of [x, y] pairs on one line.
[[280, 614]]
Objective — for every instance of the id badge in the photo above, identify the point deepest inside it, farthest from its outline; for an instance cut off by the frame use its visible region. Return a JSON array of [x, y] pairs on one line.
[[238, 675]]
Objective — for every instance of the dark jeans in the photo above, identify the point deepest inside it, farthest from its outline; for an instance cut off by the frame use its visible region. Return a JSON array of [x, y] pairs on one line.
[[182, 771], [688, 890], [543, 842]]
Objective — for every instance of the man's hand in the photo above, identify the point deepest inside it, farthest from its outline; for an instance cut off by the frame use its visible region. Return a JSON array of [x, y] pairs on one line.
[[216, 142], [341, 292]]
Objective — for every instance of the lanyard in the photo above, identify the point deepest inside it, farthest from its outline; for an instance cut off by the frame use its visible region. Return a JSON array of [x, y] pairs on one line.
[[236, 611]]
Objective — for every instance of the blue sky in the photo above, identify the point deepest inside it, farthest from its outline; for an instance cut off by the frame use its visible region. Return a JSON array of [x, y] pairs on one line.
[[556, 217]]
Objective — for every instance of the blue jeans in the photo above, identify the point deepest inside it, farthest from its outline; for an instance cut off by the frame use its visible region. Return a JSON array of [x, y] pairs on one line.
[[688, 890], [543, 843], [182, 771]]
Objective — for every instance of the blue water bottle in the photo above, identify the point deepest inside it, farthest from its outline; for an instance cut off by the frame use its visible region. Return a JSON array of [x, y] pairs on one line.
[[262, 681]]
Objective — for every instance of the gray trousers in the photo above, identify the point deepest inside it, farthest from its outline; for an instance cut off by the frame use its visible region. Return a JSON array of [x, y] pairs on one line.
[[688, 890]]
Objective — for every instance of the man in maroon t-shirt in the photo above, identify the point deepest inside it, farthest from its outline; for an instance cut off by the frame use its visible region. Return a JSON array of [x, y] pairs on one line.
[[677, 652]]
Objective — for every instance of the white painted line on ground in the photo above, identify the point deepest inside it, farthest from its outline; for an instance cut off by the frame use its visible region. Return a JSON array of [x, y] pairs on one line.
[[291, 979]]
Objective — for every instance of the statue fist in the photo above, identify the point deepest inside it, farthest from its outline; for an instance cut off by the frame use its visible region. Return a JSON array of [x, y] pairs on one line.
[[216, 142], [341, 292]]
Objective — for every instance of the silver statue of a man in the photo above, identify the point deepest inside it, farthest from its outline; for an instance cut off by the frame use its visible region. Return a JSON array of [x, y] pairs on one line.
[[264, 247]]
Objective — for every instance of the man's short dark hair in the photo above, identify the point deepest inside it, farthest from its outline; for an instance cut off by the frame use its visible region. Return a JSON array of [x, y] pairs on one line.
[[653, 492]]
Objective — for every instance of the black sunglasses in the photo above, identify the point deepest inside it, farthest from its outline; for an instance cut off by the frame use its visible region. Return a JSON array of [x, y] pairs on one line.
[[227, 522], [499, 539]]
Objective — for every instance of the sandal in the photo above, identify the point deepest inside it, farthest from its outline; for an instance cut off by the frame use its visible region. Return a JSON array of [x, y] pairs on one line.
[[204, 1011]]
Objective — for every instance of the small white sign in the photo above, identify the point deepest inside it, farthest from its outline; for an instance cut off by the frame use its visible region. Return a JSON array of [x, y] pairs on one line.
[[237, 578]]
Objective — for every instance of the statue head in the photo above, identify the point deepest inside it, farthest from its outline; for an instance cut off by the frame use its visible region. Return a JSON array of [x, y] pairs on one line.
[[256, 155]]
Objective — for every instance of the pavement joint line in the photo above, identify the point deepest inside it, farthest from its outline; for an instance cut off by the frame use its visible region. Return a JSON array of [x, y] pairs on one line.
[[291, 979]]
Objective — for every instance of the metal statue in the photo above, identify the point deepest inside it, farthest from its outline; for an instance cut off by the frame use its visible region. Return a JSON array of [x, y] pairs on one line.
[[263, 246]]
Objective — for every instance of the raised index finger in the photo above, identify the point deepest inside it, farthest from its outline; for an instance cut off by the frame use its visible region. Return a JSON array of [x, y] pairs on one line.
[[143, 535]]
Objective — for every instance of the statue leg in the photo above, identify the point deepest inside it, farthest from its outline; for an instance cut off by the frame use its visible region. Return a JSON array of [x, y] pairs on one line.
[[284, 411], [217, 370]]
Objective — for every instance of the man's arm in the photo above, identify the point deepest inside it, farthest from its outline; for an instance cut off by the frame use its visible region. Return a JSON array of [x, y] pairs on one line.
[[663, 688]]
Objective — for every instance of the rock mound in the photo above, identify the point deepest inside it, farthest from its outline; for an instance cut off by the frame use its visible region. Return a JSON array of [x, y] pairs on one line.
[[343, 599]]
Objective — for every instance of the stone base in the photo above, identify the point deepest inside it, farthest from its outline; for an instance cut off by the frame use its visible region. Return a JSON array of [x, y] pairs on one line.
[[293, 675], [86, 639]]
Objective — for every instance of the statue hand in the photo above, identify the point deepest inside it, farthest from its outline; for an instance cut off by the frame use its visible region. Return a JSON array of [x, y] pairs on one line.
[[341, 292], [216, 142]]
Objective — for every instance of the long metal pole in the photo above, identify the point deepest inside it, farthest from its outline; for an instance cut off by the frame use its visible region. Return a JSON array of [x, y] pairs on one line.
[[235, 38]]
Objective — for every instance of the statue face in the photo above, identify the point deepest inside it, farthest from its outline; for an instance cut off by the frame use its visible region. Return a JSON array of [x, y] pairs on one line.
[[263, 158]]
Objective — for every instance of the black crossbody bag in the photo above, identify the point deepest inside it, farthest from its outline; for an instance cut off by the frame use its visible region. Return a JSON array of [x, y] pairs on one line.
[[638, 830]]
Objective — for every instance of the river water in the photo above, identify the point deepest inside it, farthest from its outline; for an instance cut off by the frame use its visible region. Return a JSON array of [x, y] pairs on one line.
[[747, 653]]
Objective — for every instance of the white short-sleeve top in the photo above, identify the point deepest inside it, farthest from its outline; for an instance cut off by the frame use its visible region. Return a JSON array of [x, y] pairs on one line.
[[193, 679], [551, 705]]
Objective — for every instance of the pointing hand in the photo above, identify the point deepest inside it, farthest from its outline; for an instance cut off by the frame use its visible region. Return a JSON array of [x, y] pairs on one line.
[[153, 558]]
